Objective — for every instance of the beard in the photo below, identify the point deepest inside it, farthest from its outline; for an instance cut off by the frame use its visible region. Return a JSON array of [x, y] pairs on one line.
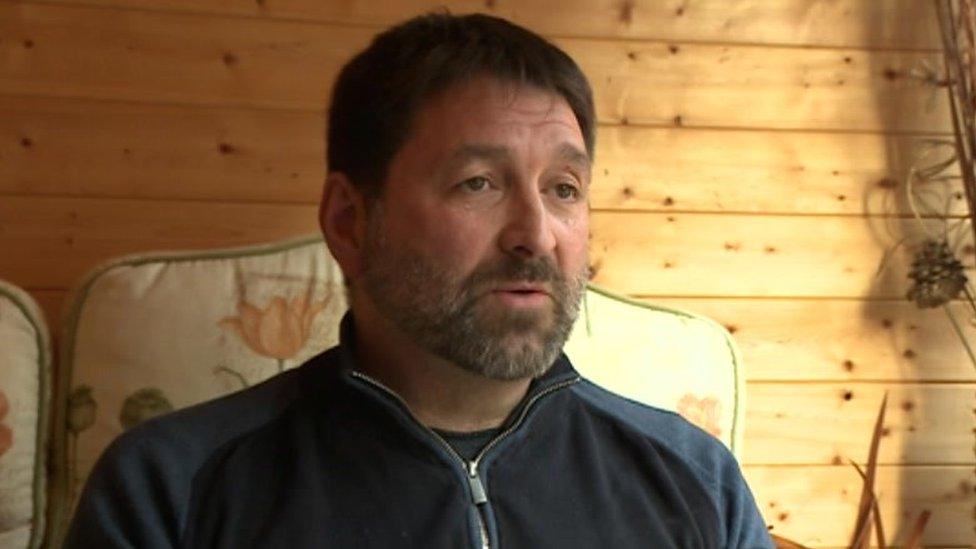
[[455, 317]]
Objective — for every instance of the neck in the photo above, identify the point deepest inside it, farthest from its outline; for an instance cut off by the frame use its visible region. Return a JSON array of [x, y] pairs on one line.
[[439, 394]]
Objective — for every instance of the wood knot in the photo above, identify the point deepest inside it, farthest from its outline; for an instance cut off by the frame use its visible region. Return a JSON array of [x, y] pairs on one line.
[[909, 354], [908, 406], [227, 148], [673, 49], [627, 11], [731, 328], [593, 269], [627, 192], [28, 43], [678, 121], [229, 59], [848, 395], [849, 365], [886, 323], [891, 74], [668, 201], [841, 197], [888, 183], [26, 142]]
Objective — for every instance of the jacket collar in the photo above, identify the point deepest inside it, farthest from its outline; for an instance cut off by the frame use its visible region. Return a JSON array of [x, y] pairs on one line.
[[560, 372]]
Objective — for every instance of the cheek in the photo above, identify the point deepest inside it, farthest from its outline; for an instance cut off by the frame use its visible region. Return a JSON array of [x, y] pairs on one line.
[[574, 244], [457, 239]]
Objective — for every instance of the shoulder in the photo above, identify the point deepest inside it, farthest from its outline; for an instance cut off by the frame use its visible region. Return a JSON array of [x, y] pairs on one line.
[[139, 491], [696, 453], [668, 431], [196, 430]]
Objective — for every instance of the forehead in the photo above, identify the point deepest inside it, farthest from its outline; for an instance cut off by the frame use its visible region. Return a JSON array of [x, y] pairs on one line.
[[489, 110]]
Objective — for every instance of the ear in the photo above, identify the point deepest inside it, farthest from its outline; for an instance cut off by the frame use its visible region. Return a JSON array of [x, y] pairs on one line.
[[342, 216]]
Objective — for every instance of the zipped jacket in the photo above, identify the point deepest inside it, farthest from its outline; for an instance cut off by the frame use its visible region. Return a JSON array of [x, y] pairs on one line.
[[324, 456]]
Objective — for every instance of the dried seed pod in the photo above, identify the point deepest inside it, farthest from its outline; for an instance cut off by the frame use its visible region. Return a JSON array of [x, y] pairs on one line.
[[937, 276]]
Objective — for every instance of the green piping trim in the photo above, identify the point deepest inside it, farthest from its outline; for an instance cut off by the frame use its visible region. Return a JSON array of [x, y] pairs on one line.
[[58, 520], [738, 398], [28, 307]]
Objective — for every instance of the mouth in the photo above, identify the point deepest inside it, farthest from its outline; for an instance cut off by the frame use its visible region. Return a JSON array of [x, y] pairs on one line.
[[523, 288], [522, 294]]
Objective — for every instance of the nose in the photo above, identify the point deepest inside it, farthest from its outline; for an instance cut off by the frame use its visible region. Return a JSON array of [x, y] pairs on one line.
[[528, 231]]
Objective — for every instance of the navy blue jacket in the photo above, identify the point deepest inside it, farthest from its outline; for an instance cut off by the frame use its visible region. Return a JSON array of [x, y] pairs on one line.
[[321, 456]]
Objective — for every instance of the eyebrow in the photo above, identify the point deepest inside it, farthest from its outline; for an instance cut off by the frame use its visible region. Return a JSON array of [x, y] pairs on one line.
[[568, 152], [478, 151]]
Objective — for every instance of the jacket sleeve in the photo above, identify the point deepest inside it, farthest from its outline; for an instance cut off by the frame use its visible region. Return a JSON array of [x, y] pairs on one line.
[[746, 528], [134, 498]]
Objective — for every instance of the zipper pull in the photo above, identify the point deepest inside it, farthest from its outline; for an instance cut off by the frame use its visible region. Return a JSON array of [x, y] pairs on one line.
[[478, 494]]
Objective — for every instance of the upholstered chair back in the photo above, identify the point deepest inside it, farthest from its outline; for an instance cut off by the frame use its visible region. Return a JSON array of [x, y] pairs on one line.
[[148, 334], [25, 398]]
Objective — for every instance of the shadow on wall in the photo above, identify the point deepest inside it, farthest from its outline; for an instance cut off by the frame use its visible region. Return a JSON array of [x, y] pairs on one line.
[[917, 338]]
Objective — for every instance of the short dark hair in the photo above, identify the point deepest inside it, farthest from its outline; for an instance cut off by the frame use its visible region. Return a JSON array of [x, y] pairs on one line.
[[378, 93]]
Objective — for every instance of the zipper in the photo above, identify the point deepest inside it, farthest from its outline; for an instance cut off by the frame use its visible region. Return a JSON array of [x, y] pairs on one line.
[[479, 496]]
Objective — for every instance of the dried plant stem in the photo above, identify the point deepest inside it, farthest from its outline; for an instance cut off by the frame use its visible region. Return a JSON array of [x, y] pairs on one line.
[[959, 332], [959, 76]]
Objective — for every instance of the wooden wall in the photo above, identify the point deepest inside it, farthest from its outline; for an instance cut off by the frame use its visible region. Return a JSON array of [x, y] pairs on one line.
[[749, 167]]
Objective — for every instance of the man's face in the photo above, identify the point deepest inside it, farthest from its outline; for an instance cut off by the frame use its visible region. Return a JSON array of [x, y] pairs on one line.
[[477, 250]]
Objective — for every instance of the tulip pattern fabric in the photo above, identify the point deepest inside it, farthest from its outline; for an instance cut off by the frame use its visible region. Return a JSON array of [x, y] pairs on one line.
[[25, 374], [150, 334]]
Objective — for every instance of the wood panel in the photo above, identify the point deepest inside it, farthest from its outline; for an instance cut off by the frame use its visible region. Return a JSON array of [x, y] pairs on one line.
[[817, 506], [51, 242], [661, 169], [862, 340], [56, 147], [655, 254], [901, 24], [48, 242], [62, 147], [51, 303], [155, 56], [831, 423]]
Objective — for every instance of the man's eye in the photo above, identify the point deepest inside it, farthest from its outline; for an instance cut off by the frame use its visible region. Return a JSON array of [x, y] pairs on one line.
[[565, 191], [475, 184]]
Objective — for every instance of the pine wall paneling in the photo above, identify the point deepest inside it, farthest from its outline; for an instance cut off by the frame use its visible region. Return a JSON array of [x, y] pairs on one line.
[[893, 24], [746, 166]]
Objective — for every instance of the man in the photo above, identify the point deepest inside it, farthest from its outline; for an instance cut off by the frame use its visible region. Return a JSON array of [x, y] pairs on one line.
[[456, 205]]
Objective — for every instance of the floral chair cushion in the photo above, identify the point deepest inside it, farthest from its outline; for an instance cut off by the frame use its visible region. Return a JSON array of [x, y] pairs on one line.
[[664, 357], [149, 334], [25, 374]]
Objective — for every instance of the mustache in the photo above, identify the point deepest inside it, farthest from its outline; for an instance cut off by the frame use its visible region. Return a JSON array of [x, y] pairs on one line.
[[513, 270]]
